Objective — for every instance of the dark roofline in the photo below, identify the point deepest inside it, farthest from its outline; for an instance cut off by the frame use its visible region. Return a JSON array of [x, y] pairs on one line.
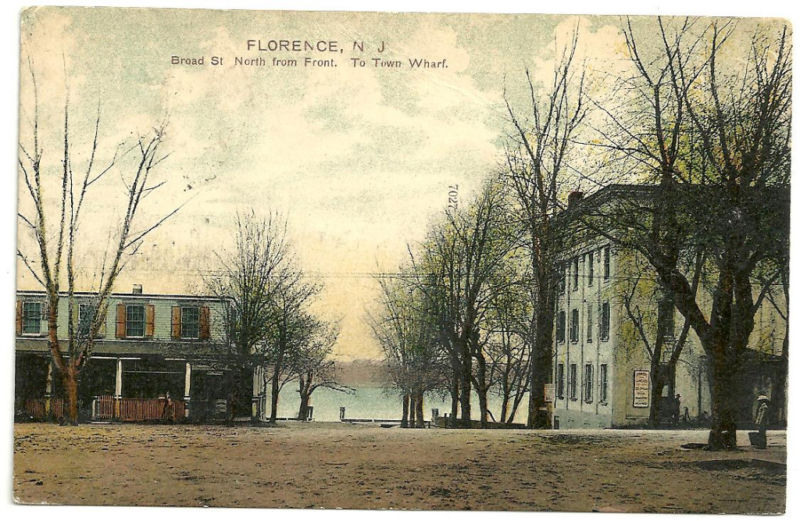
[[126, 295]]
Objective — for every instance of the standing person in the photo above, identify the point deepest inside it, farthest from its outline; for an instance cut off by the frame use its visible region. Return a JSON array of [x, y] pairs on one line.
[[762, 418], [676, 409]]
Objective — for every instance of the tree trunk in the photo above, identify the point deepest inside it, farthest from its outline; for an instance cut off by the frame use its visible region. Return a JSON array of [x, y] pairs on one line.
[[723, 425], [404, 420], [779, 385], [481, 391], [654, 420], [465, 383], [542, 355], [275, 388], [453, 420], [71, 389], [484, 407], [412, 410], [420, 411]]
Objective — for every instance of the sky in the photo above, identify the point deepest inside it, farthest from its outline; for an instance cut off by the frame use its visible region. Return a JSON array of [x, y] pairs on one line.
[[358, 160]]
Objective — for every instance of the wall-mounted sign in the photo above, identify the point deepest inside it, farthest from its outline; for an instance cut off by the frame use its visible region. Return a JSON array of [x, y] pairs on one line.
[[641, 388], [549, 393]]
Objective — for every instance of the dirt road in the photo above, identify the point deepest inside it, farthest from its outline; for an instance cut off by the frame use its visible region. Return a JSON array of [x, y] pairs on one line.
[[352, 466]]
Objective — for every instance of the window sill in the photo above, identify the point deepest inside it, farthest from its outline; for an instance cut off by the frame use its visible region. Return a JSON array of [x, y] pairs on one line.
[[587, 401]]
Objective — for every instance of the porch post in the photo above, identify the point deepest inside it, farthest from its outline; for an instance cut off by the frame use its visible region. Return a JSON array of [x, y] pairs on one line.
[[118, 389], [187, 389]]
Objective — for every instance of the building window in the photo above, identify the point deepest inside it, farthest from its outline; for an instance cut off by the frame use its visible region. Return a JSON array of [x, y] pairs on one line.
[[575, 274], [605, 320], [588, 382], [560, 381], [190, 322], [573, 382], [573, 326], [134, 321], [562, 278], [606, 262], [589, 325], [590, 268], [603, 383], [86, 314], [560, 326], [31, 318]]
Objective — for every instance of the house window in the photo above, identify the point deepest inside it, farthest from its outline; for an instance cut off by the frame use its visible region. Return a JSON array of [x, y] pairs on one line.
[[560, 381], [134, 321], [86, 314], [606, 262], [575, 274], [603, 383], [573, 382], [560, 326], [31, 318], [589, 325], [588, 382], [605, 319], [190, 322], [562, 278], [573, 326], [590, 268]]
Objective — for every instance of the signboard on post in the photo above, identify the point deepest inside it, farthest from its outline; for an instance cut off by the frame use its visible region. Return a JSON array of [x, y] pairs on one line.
[[641, 388], [549, 393]]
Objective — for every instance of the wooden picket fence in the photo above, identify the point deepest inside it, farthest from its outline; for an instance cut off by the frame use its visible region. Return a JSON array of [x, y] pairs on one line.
[[138, 409], [130, 409], [36, 408]]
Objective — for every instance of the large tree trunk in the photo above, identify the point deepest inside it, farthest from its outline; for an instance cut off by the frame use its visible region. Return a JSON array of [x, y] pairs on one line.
[[412, 410], [420, 414], [654, 420], [304, 385], [454, 388], [542, 354], [779, 385], [723, 425], [466, 384], [404, 420], [70, 380]]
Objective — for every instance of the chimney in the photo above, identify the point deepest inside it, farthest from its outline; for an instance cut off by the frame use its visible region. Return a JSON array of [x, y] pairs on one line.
[[137, 289], [574, 198]]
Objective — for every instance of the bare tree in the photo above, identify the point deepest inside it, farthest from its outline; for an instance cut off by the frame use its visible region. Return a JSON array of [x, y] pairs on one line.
[[508, 347], [456, 266], [247, 282], [713, 134], [537, 152], [406, 331], [56, 230], [315, 367], [291, 330]]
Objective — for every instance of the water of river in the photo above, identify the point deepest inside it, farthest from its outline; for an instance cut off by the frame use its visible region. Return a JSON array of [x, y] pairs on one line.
[[374, 402]]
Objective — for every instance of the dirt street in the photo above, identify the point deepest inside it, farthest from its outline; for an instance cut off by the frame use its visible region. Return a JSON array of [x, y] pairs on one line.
[[355, 466]]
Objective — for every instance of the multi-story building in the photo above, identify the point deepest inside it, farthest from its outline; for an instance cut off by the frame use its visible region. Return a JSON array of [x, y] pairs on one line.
[[151, 350], [602, 367]]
